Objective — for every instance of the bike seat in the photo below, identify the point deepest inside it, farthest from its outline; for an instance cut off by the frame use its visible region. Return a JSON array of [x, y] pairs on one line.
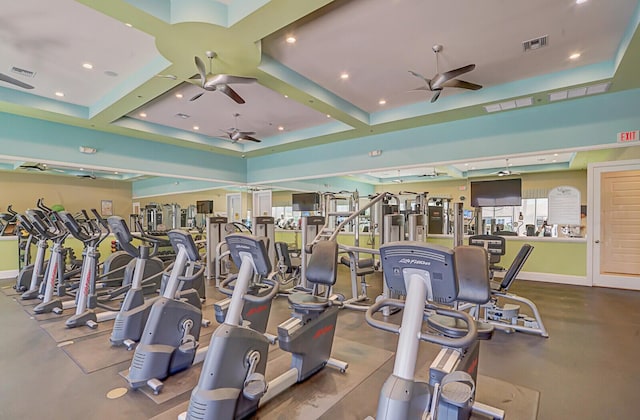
[[305, 301]]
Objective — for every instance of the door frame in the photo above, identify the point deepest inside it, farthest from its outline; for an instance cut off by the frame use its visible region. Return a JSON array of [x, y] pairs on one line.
[[230, 214], [256, 202], [593, 196]]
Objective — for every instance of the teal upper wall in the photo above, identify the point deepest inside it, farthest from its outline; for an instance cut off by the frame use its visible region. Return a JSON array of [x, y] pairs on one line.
[[574, 124], [39, 140]]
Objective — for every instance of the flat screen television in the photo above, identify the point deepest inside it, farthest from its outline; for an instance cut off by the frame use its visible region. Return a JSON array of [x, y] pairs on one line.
[[504, 192], [305, 201], [204, 207]]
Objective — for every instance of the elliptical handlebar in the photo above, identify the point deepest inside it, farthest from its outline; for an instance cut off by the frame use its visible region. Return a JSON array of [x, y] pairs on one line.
[[464, 341], [186, 279]]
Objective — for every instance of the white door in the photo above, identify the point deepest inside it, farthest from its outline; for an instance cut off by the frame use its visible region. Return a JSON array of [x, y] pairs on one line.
[[234, 207], [261, 203], [613, 233]]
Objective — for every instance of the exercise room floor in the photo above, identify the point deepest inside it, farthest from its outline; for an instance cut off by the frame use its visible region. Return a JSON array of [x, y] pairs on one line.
[[586, 369]]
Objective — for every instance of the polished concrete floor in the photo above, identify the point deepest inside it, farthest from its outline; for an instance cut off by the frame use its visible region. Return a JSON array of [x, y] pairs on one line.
[[587, 368]]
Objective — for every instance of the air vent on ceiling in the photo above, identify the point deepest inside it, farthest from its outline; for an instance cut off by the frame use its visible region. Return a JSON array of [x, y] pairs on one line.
[[23, 72], [183, 116], [534, 44]]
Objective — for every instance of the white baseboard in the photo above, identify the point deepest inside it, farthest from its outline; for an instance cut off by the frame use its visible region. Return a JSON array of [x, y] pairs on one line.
[[554, 278], [8, 274]]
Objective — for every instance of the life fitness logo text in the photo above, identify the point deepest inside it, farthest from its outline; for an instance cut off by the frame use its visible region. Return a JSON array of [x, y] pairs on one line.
[[256, 310], [322, 331], [414, 262]]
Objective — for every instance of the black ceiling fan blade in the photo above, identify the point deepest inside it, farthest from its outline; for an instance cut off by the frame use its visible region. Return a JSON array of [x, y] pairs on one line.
[[457, 83], [196, 96], [226, 89], [9, 79], [436, 95], [249, 138]]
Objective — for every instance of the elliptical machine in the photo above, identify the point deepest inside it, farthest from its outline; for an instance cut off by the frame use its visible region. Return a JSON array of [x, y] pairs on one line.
[[171, 334], [430, 273], [134, 312], [36, 270], [232, 383]]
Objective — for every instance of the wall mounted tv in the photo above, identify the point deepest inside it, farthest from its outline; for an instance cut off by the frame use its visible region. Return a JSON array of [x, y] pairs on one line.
[[506, 192], [305, 201], [204, 207]]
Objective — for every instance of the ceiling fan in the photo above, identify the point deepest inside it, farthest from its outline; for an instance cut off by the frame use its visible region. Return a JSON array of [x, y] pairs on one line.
[[37, 166], [9, 79], [212, 82], [446, 79], [87, 176], [506, 171], [235, 135], [433, 174]]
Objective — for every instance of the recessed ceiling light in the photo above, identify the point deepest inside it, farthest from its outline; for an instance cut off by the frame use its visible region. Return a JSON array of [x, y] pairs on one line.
[[128, 25], [574, 56], [280, 128], [60, 94], [179, 95], [554, 161], [466, 164], [511, 164], [580, 1], [382, 102], [82, 169], [143, 114], [473, 167], [344, 76], [87, 66], [555, 154], [286, 96], [291, 39], [195, 127], [116, 172], [328, 115]]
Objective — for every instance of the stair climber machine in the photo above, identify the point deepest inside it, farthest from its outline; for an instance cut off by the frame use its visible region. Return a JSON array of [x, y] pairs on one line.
[[170, 338], [55, 272], [232, 382], [428, 276], [134, 312], [33, 273], [87, 294]]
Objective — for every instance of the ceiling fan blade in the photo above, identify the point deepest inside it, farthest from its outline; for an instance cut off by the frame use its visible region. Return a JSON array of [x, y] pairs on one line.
[[419, 76], [440, 79], [167, 76], [436, 95], [457, 83], [196, 96], [201, 69], [229, 79], [457, 72], [420, 88], [9, 79], [249, 138], [247, 133], [231, 93]]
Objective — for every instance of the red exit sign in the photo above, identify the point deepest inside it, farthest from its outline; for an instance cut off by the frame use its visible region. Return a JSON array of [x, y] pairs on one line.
[[627, 136]]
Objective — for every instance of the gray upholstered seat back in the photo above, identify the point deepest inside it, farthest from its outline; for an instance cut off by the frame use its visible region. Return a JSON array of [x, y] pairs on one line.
[[322, 267], [472, 269]]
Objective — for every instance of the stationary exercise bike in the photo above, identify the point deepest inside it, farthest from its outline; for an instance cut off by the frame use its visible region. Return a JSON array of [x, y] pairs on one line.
[[428, 276], [171, 334], [232, 383], [255, 313]]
